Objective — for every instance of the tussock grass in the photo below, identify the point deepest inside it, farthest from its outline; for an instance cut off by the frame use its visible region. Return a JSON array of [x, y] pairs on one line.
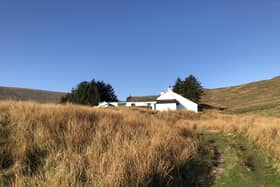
[[70, 145], [263, 131], [56, 145]]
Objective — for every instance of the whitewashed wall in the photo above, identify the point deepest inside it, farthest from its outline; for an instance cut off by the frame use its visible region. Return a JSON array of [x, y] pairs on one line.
[[114, 103], [184, 103], [166, 106]]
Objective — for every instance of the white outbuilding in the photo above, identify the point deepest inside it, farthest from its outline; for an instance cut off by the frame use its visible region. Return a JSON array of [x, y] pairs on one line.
[[168, 100], [107, 104]]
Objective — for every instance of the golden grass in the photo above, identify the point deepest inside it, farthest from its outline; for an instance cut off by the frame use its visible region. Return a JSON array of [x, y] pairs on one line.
[[261, 97], [263, 131], [56, 145]]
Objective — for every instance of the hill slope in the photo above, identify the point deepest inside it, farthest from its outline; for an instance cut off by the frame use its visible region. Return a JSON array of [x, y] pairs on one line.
[[261, 96], [24, 94]]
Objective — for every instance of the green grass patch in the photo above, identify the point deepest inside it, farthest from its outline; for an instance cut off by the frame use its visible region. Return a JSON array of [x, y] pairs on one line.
[[244, 164]]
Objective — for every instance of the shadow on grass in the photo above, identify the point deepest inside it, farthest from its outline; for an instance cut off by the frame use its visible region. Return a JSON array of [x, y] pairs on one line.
[[195, 172], [7, 175], [33, 161], [203, 107]]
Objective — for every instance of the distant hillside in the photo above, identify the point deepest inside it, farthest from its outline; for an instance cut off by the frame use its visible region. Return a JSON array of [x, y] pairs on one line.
[[261, 96], [23, 94]]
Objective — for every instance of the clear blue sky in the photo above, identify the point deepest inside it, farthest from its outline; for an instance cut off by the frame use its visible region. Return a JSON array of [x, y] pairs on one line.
[[139, 46]]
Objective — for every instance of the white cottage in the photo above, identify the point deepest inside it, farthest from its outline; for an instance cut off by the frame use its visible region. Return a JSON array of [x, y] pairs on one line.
[[173, 101], [166, 101]]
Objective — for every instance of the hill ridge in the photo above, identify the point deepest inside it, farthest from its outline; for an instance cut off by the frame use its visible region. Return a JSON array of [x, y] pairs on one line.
[[28, 94], [238, 85], [258, 96]]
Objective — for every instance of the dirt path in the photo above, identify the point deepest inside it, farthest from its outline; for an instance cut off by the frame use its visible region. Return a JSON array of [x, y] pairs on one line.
[[227, 160], [233, 161]]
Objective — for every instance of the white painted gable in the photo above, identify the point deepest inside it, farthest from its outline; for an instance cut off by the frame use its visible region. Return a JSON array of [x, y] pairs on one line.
[[183, 103]]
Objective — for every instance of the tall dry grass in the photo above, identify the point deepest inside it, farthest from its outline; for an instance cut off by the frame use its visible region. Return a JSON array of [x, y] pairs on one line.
[[55, 145], [263, 131]]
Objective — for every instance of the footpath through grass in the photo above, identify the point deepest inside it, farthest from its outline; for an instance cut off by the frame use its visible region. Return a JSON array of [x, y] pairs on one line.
[[233, 161]]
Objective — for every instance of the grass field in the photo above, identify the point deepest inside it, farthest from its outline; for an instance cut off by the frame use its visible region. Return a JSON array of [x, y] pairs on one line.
[[70, 145]]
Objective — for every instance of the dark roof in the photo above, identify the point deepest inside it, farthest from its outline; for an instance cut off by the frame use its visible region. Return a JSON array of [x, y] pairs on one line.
[[167, 101], [142, 98]]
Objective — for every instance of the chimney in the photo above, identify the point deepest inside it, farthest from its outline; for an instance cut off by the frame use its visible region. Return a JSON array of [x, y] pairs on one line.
[[169, 88]]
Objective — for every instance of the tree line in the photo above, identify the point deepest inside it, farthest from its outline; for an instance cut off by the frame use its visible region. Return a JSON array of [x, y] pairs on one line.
[[92, 92]]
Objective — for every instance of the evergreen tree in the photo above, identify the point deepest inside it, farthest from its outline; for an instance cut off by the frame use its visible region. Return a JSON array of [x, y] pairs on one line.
[[106, 91], [90, 93], [189, 88]]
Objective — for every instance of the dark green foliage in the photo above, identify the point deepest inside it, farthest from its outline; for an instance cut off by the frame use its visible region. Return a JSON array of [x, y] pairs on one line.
[[106, 92], [189, 88], [90, 93]]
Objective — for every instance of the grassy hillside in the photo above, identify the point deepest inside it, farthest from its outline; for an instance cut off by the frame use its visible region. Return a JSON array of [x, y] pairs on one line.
[[23, 94], [261, 96]]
